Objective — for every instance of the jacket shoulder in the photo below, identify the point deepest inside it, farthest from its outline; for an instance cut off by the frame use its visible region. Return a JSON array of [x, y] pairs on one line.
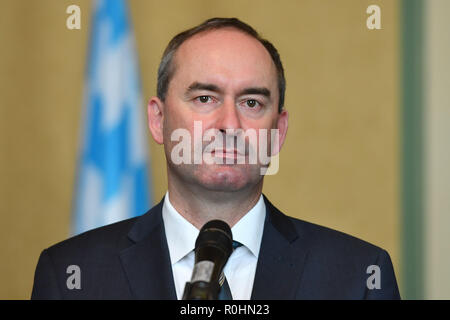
[[319, 239], [101, 241], [94, 254], [327, 240]]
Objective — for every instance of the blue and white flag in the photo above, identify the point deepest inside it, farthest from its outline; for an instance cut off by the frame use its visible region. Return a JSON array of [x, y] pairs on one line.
[[112, 180]]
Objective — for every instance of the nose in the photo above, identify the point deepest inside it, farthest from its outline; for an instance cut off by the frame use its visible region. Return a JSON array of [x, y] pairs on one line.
[[228, 117]]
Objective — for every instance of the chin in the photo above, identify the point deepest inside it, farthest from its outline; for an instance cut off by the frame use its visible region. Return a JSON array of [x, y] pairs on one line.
[[227, 178]]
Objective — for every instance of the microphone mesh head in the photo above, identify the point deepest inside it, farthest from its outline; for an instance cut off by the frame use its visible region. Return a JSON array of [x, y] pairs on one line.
[[216, 233]]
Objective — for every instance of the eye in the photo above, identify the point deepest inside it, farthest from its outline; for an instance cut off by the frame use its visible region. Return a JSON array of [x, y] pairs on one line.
[[204, 99], [252, 103]]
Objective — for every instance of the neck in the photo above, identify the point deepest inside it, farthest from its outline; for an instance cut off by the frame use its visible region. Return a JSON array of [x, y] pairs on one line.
[[198, 205]]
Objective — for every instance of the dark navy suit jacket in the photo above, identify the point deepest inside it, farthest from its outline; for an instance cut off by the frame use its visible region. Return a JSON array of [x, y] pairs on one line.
[[297, 260]]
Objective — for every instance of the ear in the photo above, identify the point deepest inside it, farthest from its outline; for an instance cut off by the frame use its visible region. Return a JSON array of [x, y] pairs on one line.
[[155, 113], [282, 126]]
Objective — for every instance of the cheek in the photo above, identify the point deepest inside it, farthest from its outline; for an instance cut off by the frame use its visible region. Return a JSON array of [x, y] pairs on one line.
[[265, 131], [174, 119], [267, 121]]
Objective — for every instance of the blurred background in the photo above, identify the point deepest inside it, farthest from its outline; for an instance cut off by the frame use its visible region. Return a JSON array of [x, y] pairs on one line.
[[367, 150]]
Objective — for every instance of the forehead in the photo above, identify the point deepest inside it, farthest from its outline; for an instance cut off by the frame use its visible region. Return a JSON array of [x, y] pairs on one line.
[[227, 57]]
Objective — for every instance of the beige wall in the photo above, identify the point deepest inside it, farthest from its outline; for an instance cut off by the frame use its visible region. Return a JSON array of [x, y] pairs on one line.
[[437, 151], [339, 166]]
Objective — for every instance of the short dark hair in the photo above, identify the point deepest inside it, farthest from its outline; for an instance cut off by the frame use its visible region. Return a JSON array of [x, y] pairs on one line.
[[166, 67]]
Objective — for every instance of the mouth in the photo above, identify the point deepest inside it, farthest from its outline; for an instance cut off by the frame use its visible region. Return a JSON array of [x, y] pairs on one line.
[[227, 153]]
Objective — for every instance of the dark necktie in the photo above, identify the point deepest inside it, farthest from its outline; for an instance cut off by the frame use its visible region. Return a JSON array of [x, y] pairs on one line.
[[224, 291]]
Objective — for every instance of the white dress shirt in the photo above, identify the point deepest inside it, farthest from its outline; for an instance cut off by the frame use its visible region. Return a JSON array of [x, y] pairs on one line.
[[241, 266]]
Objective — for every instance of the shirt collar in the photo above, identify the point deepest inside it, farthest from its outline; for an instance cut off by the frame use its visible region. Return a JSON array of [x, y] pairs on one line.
[[181, 234], [249, 229]]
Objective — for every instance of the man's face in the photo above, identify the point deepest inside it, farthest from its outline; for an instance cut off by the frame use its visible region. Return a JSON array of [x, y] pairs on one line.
[[223, 79]]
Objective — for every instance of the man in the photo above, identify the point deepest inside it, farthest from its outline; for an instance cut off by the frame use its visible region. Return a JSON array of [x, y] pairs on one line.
[[219, 77]]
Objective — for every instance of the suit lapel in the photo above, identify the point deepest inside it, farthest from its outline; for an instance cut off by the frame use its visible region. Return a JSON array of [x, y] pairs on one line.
[[146, 262], [281, 258], [278, 273]]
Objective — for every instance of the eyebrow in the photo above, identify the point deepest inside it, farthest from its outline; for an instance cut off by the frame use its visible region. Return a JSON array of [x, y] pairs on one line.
[[214, 88], [256, 90], [203, 86]]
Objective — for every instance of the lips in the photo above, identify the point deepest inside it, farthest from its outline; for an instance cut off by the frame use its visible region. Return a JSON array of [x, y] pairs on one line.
[[227, 153]]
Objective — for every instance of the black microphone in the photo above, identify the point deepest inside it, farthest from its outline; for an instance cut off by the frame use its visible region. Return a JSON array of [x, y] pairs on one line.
[[213, 247]]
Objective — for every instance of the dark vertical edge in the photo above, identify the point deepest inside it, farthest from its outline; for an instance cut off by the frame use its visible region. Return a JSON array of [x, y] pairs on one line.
[[412, 160]]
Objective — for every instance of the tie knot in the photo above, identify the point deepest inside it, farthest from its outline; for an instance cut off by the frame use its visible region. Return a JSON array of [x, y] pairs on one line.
[[236, 244]]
